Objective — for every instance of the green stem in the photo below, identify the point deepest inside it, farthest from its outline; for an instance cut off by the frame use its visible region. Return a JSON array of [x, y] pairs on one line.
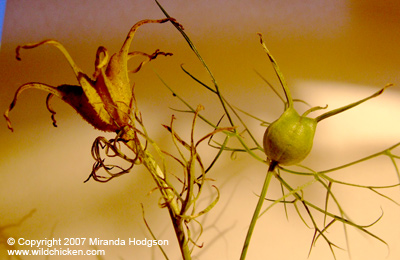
[[258, 209], [194, 49]]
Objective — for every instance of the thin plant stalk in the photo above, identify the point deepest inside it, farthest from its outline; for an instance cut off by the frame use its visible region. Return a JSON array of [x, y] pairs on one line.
[[256, 213], [171, 203], [167, 193], [193, 47]]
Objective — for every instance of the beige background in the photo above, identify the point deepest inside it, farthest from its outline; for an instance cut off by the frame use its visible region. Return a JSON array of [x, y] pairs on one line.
[[331, 52]]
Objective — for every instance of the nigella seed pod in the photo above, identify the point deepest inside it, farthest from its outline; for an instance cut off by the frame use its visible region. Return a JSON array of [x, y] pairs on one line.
[[289, 139], [105, 100]]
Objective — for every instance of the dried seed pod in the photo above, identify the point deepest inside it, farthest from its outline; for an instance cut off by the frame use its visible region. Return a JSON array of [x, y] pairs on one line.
[[106, 100]]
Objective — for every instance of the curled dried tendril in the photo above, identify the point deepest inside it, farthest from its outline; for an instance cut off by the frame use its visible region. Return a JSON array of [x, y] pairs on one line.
[[104, 101], [113, 149], [192, 182]]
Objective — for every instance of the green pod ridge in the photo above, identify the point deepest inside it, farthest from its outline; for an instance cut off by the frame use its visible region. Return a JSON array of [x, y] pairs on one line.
[[289, 139]]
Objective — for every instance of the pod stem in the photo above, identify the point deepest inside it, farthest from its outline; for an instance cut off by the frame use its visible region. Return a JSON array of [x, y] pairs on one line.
[[256, 213], [278, 73]]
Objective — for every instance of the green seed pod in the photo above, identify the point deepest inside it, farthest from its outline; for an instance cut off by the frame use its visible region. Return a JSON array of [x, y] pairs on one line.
[[289, 139]]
